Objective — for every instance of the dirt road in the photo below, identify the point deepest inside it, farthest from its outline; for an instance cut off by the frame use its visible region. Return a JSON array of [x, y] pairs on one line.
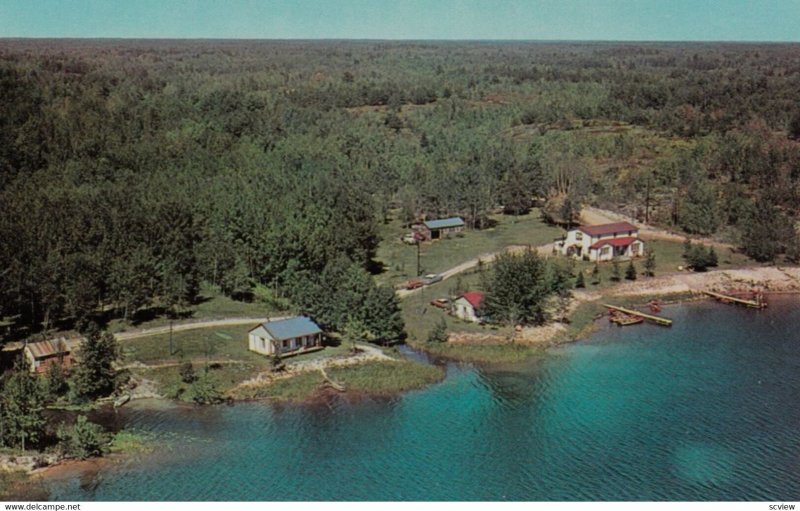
[[589, 215], [124, 336]]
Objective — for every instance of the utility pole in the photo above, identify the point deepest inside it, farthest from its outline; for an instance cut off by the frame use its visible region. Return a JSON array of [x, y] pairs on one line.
[[418, 237], [647, 203]]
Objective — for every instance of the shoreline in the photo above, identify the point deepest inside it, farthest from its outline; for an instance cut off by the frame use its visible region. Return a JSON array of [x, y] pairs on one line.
[[584, 308]]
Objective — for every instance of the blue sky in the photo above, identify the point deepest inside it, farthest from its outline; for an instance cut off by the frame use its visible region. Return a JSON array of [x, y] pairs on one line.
[[645, 20]]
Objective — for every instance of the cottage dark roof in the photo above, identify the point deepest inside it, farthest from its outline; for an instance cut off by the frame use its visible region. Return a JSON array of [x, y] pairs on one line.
[[606, 229], [475, 298], [615, 242], [444, 223], [48, 348], [291, 328]]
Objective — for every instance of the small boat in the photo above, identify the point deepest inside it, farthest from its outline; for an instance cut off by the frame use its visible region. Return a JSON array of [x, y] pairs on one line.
[[121, 400]]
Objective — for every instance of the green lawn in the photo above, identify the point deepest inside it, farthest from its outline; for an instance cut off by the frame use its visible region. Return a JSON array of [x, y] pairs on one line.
[[400, 259], [211, 304], [221, 343], [228, 343], [669, 256], [420, 316], [374, 378]]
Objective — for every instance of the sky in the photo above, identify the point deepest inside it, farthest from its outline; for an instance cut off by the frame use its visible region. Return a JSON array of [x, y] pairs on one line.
[[615, 20]]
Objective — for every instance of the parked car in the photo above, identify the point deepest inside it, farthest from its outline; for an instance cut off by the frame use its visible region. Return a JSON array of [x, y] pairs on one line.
[[413, 284], [409, 239], [431, 278], [442, 303]]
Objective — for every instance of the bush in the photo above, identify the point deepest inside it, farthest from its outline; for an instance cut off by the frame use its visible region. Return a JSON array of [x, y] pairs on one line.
[[83, 440], [439, 332], [187, 372]]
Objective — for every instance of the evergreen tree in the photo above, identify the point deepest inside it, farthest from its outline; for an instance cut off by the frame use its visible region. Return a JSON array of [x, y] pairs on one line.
[[761, 231], [518, 287], [630, 271], [95, 375], [687, 248], [55, 382], [579, 281], [22, 413], [712, 259], [83, 440], [439, 332], [616, 273], [596, 278], [650, 263]]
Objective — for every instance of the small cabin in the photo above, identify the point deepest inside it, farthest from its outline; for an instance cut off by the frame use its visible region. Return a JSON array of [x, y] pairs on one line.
[[469, 306], [437, 229], [286, 336], [42, 354], [602, 242]]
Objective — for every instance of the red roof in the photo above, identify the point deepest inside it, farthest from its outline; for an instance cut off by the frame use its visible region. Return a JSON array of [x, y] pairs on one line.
[[48, 348], [606, 229], [475, 298], [615, 242]]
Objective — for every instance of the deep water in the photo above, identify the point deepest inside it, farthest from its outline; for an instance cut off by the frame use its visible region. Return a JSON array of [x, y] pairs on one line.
[[706, 410]]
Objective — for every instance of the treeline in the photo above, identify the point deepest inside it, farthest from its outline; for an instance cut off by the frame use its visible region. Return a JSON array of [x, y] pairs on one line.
[[131, 172]]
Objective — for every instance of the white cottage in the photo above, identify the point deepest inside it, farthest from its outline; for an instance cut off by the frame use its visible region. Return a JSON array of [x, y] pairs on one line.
[[468, 306], [292, 335], [603, 242]]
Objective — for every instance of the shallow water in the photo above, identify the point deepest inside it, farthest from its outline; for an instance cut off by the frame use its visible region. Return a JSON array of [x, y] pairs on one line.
[[706, 410]]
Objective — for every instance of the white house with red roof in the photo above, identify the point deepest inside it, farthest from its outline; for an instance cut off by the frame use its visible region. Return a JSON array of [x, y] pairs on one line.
[[468, 306], [603, 242]]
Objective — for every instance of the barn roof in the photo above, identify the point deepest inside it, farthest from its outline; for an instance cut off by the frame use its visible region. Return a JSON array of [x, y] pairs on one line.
[[475, 298], [615, 242], [606, 229], [48, 348], [444, 223], [291, 328]]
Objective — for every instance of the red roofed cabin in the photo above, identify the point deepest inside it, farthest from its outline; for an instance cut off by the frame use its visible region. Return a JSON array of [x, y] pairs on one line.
[[468, 306], [603, 242], [41, 354]]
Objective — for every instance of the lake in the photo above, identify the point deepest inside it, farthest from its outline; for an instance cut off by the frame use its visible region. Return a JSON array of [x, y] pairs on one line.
[[705, 410]]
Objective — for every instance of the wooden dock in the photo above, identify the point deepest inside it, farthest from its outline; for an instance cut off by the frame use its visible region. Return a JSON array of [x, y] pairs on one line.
[[756, 304], [656, 319]]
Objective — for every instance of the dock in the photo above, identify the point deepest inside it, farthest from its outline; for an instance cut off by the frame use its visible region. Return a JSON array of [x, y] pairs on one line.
[[756, 304], [656, 319]]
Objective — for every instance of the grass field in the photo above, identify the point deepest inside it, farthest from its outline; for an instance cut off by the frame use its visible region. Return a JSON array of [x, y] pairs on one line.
[[374, 378], [669, 256], [210, 304], [400, 259], [220, 343]]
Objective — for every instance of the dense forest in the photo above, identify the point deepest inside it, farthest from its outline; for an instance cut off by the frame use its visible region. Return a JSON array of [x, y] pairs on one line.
[[132, 171]]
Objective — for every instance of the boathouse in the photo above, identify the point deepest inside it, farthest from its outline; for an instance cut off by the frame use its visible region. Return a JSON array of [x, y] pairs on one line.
[[286, 336], [602, 242], [469, 306], [41, 354], [437, 229]]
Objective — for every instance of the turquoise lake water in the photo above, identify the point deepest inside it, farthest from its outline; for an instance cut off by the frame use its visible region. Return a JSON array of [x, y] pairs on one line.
[[706, 410]]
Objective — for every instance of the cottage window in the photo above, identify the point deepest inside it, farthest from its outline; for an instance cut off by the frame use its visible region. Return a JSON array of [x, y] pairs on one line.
[[579, 236], [605, 250]]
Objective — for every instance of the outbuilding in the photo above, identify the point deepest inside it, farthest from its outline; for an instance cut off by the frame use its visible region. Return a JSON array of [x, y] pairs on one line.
[[286, 336], [437, 229], [469, 306], [42, 354]]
